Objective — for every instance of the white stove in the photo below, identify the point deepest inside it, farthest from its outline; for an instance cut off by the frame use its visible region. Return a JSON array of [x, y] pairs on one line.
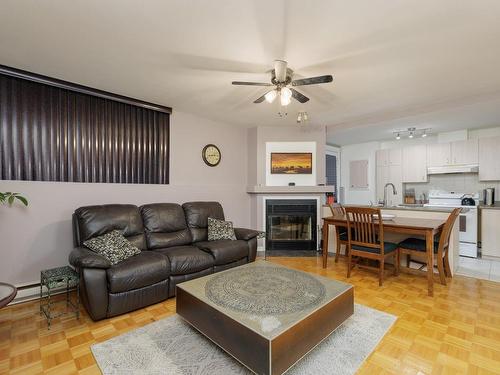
[[468, 219]]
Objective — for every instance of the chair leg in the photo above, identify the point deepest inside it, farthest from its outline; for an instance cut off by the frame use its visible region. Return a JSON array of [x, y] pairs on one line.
[[447, 267], [440, 267], [349, 261], [396, 262], [408, 260], [337, 252], [381, 272]]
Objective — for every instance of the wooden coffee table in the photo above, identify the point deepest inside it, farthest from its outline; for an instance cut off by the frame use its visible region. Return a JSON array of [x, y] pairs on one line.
[[265, 315]]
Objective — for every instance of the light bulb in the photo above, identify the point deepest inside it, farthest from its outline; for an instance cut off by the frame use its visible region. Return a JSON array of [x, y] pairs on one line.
[[424, 135], [305, 116], [285, 91], [270, 96], [285, 100], [398, 137], [411, 135]]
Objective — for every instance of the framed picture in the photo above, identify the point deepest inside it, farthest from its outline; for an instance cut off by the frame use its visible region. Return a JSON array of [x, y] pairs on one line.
[[291, 163]]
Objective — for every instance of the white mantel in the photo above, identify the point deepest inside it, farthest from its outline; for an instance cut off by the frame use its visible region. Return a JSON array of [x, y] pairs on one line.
[[290, 189]]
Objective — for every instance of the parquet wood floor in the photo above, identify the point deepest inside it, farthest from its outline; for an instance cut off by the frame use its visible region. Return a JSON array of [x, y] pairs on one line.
[[455, 332]]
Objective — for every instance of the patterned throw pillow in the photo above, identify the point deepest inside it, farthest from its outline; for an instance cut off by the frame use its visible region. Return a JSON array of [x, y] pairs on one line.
[[220, 230], [113, 246]]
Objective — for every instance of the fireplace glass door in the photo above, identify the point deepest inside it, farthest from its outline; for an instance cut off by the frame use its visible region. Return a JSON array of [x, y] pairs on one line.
[[291, 224]]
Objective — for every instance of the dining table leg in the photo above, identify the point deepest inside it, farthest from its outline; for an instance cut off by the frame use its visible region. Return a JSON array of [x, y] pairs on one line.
[[429, 245], [325, 243]]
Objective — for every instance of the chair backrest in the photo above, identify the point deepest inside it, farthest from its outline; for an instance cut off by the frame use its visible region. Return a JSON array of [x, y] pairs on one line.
[[365, 227], [444, 240], [337, 210]]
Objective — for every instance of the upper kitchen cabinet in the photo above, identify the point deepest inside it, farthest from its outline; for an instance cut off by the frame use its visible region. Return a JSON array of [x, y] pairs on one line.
[[438, 154], [388, 157], [489, 156], [414, 164], [465, 152]]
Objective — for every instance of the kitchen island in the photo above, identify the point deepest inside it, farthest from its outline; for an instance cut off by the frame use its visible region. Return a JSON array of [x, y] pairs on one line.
[[430, 213]]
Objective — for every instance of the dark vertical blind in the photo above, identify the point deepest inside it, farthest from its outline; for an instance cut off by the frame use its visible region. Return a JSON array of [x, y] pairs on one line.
[[49, 133]]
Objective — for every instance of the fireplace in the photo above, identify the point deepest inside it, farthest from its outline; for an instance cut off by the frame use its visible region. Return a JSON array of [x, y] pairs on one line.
[[291, 224]]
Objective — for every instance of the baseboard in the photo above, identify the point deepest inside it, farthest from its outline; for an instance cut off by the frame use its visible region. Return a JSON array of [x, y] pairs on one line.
[[31, 292]]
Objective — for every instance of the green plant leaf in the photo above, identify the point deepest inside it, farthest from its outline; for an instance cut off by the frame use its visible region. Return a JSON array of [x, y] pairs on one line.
[[10, 199], [22, 199]]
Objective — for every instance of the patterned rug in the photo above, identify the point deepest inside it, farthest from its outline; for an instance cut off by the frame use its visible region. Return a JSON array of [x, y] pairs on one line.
[[171, 347]]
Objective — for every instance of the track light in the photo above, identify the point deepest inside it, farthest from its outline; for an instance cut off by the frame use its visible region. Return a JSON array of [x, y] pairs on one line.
[[411, 133]]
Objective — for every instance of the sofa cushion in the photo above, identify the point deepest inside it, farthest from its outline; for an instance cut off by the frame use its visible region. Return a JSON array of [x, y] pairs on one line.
[[197, 214], [186, 259], [225, 251], [165, 225], [93, 221], [220, 230], [112, 246], [145, 269]]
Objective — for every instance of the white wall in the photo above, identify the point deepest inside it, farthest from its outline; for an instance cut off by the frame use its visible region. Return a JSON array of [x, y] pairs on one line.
[[40, 236], [362, 151], [285, 179], [266, 134]]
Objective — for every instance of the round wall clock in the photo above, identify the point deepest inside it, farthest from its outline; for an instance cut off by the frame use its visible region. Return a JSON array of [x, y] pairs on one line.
[[211, 155]]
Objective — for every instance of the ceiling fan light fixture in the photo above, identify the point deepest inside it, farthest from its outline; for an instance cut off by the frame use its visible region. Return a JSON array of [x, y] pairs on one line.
[[285, 100], [270, 96]]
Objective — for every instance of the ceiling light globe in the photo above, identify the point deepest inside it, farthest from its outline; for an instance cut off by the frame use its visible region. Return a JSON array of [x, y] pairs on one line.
[[411, 135], [424, 135], [270, 96], [285, 100], [398, 137], [286, 92]]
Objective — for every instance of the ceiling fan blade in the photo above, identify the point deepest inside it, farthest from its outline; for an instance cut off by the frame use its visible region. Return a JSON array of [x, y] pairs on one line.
[[239, 83], [280, 70], [298, 96], [312, 80], [261, 99]]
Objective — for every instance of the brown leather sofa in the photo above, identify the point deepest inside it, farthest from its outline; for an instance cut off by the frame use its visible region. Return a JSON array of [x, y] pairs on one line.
[[174, 245]]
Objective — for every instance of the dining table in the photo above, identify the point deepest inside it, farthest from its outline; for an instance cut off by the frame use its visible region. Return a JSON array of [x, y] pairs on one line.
[[428, 228]]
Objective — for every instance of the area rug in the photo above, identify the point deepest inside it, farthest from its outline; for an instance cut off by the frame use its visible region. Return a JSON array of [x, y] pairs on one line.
[[172, 347]]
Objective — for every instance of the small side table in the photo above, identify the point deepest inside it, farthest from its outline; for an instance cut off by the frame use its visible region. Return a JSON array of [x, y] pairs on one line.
[[56, 278]]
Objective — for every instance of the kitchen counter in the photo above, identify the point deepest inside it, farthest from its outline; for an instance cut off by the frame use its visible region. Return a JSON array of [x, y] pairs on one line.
[[407, 208], [496, 206]]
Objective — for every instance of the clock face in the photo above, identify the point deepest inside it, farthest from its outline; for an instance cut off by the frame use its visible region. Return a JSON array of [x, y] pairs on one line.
[[211, 155]]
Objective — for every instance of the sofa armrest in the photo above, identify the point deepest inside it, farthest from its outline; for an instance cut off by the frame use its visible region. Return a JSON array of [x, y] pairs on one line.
[[82, 257], [246, 234]]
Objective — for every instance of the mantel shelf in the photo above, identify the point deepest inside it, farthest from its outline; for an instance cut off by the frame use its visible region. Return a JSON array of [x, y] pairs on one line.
[[290, 189]]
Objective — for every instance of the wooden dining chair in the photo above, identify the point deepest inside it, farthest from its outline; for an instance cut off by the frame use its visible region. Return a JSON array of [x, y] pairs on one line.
[[417, 247], [365, 232], [340, 233]]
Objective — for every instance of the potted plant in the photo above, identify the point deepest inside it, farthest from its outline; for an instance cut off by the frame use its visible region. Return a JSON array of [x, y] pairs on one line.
[[9, 198]]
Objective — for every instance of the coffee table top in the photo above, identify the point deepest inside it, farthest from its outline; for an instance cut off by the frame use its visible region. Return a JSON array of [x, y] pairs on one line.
[[265, 297]]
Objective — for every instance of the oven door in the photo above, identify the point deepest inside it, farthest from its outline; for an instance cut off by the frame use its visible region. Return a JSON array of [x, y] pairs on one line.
[[468, 225]]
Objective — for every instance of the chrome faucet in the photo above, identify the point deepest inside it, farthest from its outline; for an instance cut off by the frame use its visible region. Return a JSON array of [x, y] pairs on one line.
[[385, 191]]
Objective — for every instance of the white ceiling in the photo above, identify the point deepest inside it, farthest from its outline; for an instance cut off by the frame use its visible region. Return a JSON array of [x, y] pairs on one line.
[[396, 63]]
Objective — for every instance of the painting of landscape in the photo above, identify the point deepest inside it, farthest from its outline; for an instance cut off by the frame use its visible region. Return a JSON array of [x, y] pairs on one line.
[[291, 163]]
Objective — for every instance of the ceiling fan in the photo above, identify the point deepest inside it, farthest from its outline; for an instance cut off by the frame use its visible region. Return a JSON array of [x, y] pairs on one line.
[[282, 78]]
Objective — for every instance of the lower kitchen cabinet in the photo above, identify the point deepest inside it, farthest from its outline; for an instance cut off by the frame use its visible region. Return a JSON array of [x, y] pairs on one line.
[[490, 232]]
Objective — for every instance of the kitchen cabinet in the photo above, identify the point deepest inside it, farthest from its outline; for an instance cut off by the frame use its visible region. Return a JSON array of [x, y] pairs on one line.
[[454, 153], [489, 156], [465, 152], [438, 154], [388, 157], [414, 164], [490, 235]]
